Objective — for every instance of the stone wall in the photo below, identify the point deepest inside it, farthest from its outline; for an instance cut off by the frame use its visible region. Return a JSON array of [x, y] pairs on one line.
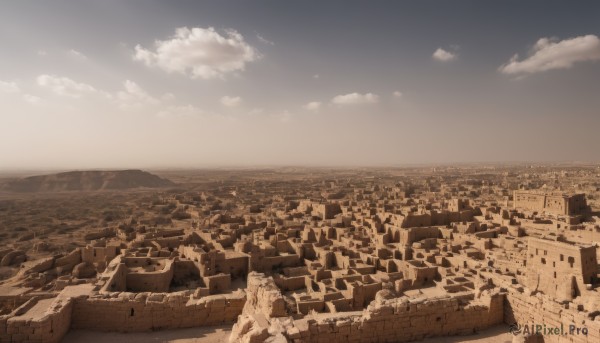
[[558, 269], [92, 254], [265, 302], [290, 283], [401, 320], [131, 312], [392, 320], [264, 296], [48, 326], [268, 263], [155, 281], [8, 303], [415, 234], [70, 260], [49, 319], [539, 309], [116, 275], [566, 204]]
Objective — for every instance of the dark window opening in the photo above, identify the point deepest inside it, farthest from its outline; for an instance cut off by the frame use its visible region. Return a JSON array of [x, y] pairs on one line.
[[571, 261]]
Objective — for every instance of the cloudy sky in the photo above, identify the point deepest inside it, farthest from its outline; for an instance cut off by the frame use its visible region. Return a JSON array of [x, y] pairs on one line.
[[148, 84]]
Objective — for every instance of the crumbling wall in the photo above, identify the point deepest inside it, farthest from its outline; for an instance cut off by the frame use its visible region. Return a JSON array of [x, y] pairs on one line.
[[123, 312], [539, 309], [264, 296], [416, 220], [558, 269], [70, 260], [326, 211], [235, 264], [217, 283], [116, 278], [156, 281], [51, 326], [186, 270], [132, 312], [102, 233], [268, 263], [290, 283], [92, 254], [393, 320], [265, 301], [401, 320], [415, 234]]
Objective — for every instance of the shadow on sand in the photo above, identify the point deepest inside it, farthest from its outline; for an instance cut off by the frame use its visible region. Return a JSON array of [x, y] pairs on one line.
[[207, 334]]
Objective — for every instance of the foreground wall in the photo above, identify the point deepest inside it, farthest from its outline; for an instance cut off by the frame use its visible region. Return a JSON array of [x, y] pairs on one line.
[[539, 309], [48, 320], [48, 327], [392, 320], [130, 312], [401, 320]]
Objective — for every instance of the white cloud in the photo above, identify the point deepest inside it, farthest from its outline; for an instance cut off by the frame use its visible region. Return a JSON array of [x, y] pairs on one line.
[[264, 40], [548, 54], [316, 76], [355, 99], [64, 86], [9, 87], [397, 94], [42, 53], [134, 97], [231, 101], [313, 106], [77, 54], [443, 55], [32, 99], [13, 88], [134, 91], [199, 52]]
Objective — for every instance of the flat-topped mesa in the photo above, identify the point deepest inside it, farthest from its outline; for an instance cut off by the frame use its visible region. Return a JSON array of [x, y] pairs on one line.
[[91, 180]]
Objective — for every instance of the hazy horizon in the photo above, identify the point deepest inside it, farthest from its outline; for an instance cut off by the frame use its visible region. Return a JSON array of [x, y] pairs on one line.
[[478, 164], [192, 85]]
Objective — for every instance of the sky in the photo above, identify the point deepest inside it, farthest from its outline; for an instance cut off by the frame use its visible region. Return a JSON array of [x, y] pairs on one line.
[[193, 84]]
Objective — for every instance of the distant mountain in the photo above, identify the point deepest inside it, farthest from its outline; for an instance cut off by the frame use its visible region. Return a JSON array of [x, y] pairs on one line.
[[88, 181]]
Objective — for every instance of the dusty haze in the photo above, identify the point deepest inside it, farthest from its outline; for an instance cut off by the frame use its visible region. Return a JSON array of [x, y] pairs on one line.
[[117, 84]]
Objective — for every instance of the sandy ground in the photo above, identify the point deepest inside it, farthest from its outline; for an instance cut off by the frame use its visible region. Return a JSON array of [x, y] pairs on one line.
[[212, 334], [220, 334], [496, 334]]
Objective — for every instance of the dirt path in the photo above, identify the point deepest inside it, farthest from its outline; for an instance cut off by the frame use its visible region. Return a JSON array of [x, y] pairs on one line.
[[496, 334], [212, 334], [220, 334]]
